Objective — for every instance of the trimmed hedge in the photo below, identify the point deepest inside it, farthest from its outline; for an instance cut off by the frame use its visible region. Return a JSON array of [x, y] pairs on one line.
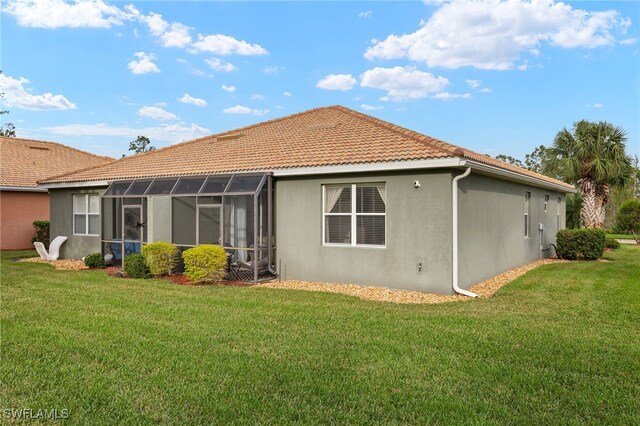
[[628, 217], [161, 257], [135, 266], [205, 262], [94, 261], [610, 243], [583, 244], [42, 232]]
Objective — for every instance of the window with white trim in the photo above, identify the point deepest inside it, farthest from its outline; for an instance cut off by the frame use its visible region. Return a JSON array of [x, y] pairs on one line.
[[558, 214], [86, 214], [354, 215], [546, 203], [527, 224]]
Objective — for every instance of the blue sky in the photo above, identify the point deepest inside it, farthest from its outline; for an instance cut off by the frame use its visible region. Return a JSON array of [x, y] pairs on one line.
[[491, 76]]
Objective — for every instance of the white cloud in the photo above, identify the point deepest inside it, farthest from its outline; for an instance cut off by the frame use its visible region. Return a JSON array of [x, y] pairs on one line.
[[220, 44], [156, 113], [217, 65], [446, 96], [365, 14], [492, 34], [367, 107], [257, 97], [16, 95], [485, 90], [144, 65], [474, 84], [240, 109], [188, 99], [286, 94], [403, 83], [164, 133], [272, 70], [629, 41], [341, 82], [60, 14], [177, 36], [595, 105], [229, 89], [171, 35]]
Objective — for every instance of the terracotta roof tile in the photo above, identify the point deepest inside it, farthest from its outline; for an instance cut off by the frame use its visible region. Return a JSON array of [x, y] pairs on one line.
[[23, 161], [325, 136]]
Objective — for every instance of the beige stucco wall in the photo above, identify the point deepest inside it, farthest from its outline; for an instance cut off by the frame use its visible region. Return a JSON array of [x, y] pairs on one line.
[[18, 211]]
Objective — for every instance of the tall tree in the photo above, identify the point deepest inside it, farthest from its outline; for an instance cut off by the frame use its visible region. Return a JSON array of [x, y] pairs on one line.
[[141, 144], [592, 157], [8, 129], [509, 159], [537, 160]]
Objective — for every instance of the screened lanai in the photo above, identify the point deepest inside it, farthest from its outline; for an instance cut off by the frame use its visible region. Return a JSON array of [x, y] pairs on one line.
[[234, 211]]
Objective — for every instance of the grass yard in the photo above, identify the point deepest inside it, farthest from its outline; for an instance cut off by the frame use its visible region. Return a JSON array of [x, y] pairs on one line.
[[620, 236], [559, 345]]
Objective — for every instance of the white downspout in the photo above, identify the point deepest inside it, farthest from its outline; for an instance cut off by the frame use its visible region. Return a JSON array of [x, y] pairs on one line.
[[454, 202]]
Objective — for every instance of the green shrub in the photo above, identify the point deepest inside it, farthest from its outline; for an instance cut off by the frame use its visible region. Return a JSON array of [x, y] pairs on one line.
[[135, 266], [42, 232], [610, 243], [628, 217], [206, 262], [585, 244], [161, 257], [94, 261]]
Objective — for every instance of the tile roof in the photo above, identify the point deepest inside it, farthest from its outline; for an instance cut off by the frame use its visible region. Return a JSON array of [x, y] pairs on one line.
[[326, 136], [23, 161]]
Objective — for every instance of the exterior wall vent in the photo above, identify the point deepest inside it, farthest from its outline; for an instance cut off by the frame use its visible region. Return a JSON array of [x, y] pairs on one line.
[[321, 126], [39, 147], [229, 137]]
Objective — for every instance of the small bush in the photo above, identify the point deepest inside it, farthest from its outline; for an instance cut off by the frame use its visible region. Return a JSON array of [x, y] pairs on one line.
[[161, 257], [610, 243], [135, 266], [206, 262], [42, 232], [585, 244], [628, 218], [94, 261]]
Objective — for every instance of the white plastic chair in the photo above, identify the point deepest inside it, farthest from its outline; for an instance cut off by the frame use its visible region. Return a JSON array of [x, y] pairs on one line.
[[54, 248]]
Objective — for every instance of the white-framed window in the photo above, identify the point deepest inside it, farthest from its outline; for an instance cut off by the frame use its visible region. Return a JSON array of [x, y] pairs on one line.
[[86, 214], [354, 214], [527, 219], [546, 203]]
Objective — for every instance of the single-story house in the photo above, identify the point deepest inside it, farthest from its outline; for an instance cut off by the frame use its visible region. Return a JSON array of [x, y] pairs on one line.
[[22, 163], [327, 195]]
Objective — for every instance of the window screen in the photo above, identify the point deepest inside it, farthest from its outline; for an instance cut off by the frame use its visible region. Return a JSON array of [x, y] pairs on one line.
[[86, 214], [189, 185], [118, 188], [162, 186], [241, 183], [138, 187], [215, 185]]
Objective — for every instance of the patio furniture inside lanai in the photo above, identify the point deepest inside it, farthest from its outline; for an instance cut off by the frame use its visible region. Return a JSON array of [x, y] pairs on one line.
[[234, 211]]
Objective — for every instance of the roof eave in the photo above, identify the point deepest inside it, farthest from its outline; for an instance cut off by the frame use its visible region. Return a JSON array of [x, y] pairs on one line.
[[83, 184], [22, 188], [518, 177]]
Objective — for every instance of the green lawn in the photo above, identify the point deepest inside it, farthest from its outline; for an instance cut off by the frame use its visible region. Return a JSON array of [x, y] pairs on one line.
[[560, 345], [620, 236]]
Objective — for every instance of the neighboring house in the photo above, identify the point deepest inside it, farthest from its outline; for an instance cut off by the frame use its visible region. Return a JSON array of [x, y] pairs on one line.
[[22, 163], [329, 195]]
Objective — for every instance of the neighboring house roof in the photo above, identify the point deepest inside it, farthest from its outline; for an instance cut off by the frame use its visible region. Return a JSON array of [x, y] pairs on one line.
[[328, 136], [23, 162]]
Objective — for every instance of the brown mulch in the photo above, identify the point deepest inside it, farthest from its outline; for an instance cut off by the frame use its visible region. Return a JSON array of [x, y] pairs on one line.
[[483, 289], [62, 264]]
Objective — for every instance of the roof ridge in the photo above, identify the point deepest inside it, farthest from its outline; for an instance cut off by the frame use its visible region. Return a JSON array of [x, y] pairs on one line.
[[175, 145], [412, 134], [11, 139]]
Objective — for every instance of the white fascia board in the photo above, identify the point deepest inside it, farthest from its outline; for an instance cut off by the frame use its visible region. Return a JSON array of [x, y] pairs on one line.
[[371, 167], [22, 189], [507, 174], [85, 184]]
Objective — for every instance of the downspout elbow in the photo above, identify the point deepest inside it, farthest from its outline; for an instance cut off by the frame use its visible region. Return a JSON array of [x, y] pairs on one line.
[[454, 202]]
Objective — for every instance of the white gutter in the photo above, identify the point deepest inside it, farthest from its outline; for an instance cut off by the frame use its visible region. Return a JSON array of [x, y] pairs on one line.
[[370, 167], [83, 184], [22, 189], [454, 202]]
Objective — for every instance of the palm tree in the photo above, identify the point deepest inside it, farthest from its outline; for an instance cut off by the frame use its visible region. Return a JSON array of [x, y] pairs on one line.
[[593, 158]]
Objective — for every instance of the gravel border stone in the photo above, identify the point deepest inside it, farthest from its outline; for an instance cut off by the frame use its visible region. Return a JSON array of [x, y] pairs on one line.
[[62, 264], [483, 289]]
